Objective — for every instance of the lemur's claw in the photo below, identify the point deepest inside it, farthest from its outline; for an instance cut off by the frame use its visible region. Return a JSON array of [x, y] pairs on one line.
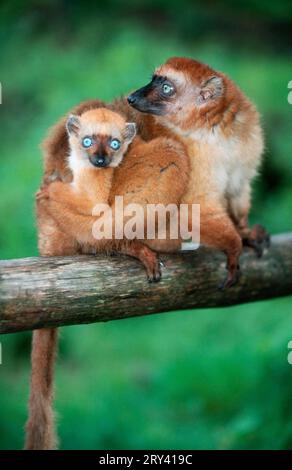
[[231, 279], [154, 277], [154, 273]]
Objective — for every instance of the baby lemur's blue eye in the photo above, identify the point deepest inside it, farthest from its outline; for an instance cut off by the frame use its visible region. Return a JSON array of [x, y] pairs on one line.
[[167, 89], [87, 142], [115, 144]]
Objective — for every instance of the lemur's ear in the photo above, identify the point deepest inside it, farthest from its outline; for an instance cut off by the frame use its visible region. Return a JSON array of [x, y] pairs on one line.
[[130, 131], [211, 88], [73, 124]]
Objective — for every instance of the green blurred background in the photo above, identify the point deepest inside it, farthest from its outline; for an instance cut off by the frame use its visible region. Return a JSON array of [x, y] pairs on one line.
[[207, 379]]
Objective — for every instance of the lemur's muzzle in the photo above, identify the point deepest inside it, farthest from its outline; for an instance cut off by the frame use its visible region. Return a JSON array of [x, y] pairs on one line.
[[145, 101], [99, 161]]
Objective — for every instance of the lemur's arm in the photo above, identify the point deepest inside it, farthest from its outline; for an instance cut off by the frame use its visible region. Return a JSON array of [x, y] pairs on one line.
[[67, 196], [90, 188], [80, 226]]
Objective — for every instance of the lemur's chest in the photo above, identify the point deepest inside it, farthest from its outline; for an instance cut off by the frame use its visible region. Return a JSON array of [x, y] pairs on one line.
[[218, 162], [93, 184]]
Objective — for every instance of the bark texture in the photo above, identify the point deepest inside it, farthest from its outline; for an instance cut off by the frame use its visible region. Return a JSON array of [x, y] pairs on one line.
[[53, 292]]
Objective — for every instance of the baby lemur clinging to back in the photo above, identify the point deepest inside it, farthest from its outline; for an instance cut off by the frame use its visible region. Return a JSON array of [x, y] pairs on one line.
[[99, 140], [100, 166]]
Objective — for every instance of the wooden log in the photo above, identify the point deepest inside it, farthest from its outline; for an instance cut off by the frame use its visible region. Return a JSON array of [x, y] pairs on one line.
[[53, 292]]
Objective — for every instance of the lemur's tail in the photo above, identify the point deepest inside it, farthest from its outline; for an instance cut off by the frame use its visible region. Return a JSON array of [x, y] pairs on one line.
[[40, 432]]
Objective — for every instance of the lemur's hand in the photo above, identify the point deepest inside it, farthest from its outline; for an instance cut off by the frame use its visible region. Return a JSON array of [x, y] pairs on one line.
[[56, 190], [53, 191], [42, 193]]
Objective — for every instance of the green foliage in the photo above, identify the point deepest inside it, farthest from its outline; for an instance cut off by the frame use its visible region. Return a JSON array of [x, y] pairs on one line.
[[206, 379]]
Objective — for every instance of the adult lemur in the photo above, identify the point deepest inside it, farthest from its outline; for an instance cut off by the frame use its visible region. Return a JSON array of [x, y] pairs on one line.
[[204, 111], [220, 127]]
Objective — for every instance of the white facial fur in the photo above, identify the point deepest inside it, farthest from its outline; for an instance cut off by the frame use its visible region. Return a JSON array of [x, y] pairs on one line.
[[79, 128]]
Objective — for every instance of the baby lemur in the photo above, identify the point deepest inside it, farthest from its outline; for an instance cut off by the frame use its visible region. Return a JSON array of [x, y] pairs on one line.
[[98, 140], [101, 165], [156, 170]]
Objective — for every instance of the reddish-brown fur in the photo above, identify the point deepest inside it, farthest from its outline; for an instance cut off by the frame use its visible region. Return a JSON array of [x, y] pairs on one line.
[[40, 431], [221, 130], [65, 228], [223, 216]]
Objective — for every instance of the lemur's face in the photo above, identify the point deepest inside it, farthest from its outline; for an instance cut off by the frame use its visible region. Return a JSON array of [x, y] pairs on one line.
[[100, 137], [181, 89], [156, 97], [102, 150]]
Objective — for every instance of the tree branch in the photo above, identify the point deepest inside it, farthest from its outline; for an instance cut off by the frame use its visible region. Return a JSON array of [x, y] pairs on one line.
[[52, 292]]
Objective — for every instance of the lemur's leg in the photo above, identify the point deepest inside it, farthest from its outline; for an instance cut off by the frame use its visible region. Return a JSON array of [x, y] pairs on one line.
[[218, 231], [256, 236], [53, 240], [59, 191]]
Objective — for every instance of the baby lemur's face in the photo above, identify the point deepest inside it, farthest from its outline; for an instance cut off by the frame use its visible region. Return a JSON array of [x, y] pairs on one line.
[[99, 137], [183, 89]]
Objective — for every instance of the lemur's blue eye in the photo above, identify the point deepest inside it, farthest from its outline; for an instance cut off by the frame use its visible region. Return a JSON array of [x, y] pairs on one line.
[[87, 142], [167, 89], [115, 144]]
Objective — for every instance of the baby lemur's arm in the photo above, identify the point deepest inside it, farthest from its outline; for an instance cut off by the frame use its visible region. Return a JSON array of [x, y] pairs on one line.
[[152, 172], [89, 188]]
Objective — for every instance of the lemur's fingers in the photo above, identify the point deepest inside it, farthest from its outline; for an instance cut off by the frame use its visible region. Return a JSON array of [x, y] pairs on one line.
[[147, 257], [153, 271], [42, 193], [151, 263]]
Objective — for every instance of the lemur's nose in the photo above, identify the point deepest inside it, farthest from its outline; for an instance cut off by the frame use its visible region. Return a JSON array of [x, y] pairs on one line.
[[132, 98], [99, 160]]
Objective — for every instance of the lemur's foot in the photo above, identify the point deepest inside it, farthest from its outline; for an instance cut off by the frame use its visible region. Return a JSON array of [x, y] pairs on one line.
[[153, 269], [232, 278], [147, 257], [152, 264], [258, 239]]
